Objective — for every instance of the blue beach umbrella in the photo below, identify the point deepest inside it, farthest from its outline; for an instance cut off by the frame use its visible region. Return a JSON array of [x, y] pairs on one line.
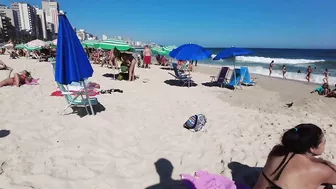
[[72, 64], [231, 53], [190, 52]]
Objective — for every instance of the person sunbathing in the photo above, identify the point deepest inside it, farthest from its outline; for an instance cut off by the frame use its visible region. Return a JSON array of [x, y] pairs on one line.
[[3, 66], [18, 79], [293, 164]]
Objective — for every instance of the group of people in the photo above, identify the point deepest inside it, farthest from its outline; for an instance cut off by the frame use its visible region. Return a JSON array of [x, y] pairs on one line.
[[308, 72]]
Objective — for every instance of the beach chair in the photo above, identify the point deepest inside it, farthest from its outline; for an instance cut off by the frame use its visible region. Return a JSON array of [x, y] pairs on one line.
[[246, 78], [223, 77], [185, 78], [74, 102], [234, 82]]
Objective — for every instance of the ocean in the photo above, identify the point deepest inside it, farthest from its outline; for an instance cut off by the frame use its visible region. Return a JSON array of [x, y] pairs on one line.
[[294, 59]]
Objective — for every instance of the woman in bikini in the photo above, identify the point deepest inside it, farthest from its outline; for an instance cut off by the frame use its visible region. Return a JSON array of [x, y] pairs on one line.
[[309, 72], [271, 68], [18, 79], [126, 58], [284, 71], [293, 164]]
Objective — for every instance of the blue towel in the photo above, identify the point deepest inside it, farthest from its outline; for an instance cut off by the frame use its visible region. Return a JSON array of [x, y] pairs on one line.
[[235, 81], [246, 75]]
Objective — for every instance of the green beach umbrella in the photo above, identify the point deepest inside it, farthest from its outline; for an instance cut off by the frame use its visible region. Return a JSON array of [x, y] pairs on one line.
[[89, 43], [168, 49], [158, 50], [20, 46], [32, 48], [113, 43]]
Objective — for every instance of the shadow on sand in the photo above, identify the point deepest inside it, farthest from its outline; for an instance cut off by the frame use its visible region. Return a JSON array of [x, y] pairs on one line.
[[81, 112], [166, 68], [109, 75], [215, 84], [164, 168], [173, 82], [244, 174], [4, 133]]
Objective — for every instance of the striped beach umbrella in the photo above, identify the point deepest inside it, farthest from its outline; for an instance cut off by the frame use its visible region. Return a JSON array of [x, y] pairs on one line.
[[20, 46], [169, 48], [89, 43], [113, 43], [32, 48], [158, 50]]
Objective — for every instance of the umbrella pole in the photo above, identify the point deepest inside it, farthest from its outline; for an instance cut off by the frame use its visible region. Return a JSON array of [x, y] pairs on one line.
[[88, 98]]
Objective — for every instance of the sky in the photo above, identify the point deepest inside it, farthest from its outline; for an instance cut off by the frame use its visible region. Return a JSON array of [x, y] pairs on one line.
[[210, 23]]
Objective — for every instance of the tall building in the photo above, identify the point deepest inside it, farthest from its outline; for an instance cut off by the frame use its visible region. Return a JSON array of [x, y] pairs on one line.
[[25, 18], [41, 23], [7, 24], [51, 8]]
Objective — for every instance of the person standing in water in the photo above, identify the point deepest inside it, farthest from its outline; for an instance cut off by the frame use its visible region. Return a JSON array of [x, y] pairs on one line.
[[271, 68], [284, 70], [309, 72], [326, 76], [147, 56]]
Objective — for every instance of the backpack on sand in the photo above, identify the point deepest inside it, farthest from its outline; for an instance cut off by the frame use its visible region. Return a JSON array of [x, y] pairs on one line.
[[196, 122]]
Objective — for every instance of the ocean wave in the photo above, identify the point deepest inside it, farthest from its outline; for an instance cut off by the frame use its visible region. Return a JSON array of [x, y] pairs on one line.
[[276, 60]]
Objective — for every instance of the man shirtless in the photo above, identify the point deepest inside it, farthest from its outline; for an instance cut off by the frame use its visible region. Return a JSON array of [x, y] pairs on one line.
[[147, 56]]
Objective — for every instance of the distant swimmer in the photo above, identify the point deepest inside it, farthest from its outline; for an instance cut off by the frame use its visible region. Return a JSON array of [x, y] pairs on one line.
[[271, 68], [299, 71], [284, 70], [309, 72], [326, 76]]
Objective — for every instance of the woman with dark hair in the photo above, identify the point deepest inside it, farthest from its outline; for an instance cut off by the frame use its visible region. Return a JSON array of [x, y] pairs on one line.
[[293, 164], [128, 59]]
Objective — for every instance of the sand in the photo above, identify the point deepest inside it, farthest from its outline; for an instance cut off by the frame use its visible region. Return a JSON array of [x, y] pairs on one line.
[[118, 147]]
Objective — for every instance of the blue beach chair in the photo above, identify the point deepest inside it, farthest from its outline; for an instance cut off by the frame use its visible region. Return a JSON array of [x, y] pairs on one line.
[[234, 82], [185, 78]]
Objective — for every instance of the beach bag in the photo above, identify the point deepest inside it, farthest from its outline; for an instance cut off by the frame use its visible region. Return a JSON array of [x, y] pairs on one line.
[[196, 122]]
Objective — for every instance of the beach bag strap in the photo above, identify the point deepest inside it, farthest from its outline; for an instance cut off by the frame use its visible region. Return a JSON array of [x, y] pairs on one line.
[[195, 124]]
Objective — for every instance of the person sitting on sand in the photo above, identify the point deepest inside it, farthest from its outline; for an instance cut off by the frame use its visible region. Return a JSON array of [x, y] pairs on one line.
[[18, 79], [293, 164], [3, 66], [126, 58]]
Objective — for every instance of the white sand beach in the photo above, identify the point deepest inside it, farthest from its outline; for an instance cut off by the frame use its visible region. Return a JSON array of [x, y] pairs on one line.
[[118, 147]]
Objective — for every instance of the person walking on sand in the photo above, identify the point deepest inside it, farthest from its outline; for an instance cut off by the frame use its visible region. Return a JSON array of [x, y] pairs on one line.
[[326, 76], [309, 72], [147, 56], [271, 68], [284, 70]]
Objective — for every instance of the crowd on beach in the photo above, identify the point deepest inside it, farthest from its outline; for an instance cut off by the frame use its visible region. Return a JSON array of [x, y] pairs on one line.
[[324, 89], [292, 164]]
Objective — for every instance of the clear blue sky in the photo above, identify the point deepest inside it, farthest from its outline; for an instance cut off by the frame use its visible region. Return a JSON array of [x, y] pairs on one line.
[[216, 23]]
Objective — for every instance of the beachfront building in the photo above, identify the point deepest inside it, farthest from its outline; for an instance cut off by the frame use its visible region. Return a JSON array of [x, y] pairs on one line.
[[7, 24], [41, 24], [104, 37], [25, 19], [83, 35], [51, 9]]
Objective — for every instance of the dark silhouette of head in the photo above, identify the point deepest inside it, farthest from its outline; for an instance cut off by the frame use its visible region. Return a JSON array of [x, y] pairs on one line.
[[164, 168]]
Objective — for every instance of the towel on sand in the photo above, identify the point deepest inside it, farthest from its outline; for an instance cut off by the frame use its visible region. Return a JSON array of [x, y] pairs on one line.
[[205, 180]]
